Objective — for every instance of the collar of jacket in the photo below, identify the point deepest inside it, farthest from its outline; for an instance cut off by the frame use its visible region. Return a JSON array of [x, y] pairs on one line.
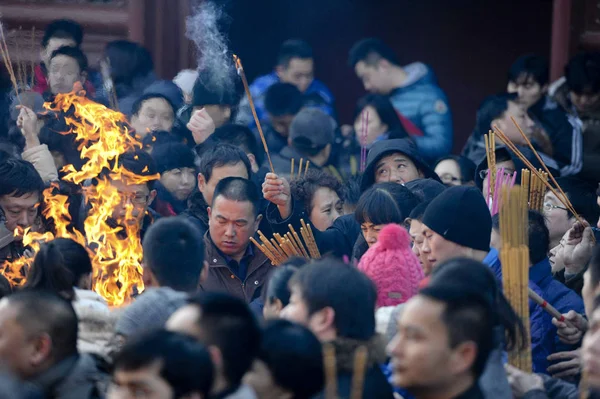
[[215, 257], [52, 377], [540, 271], [345, 349]]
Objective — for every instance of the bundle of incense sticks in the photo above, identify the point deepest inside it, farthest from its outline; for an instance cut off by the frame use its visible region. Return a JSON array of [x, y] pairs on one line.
[[562, 197], [502, 178], [242, 74], [515, 264], [490, 153], [300, 174], [551, 310], [537, 191], [364, 138], [8, 63], [280, 248]]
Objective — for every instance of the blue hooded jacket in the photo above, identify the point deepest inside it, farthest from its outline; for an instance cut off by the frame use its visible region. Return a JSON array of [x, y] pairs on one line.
[[557, 295], [421, 100], [317, 95], [542, 341]]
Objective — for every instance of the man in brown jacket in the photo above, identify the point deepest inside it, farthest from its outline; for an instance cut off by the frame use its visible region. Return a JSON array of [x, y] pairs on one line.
[[235, 266]]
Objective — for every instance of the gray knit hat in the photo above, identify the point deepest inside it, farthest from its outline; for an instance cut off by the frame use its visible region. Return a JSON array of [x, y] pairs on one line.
[[150, 310], [311, 130]]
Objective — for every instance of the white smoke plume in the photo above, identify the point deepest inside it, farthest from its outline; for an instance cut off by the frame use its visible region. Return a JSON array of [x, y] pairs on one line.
[[215, 63]]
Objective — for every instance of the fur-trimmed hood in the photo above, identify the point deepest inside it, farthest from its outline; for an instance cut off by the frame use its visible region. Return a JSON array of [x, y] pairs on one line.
[[96, 322], [345, 348]]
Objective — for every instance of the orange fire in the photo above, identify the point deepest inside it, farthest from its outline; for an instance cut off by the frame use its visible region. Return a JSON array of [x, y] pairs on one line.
[[116, 251]]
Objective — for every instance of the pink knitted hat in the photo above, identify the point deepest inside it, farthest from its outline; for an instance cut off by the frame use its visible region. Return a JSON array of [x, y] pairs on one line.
[[392, 266]]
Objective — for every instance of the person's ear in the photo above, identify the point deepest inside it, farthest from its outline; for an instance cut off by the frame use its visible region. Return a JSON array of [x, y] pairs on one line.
[[217, 358], [42, 349], [463, 357], [277, 304], [498, 122], [148, 277], [201, 182], [209, 211], [257, 222], [322, 321], [279, 70], [253, 163], [151, 197], [421, 174]]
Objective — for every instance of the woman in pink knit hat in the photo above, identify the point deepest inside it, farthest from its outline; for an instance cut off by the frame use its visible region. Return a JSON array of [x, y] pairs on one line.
[[392, 266]]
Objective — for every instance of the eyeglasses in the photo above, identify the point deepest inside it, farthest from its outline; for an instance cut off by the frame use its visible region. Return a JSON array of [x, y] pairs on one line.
[[135, 198], [548, 207], [506, 172]]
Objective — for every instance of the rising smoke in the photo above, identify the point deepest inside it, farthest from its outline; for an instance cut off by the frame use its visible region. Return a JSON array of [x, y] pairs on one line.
[[215, 64]]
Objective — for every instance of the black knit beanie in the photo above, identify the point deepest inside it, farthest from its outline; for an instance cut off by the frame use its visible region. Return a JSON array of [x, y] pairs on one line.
[[460, 215]]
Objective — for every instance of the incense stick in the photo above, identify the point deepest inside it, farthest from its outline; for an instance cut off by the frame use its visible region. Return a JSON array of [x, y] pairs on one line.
[[292, 171], [534, 171], [358, 374], [549, 308], [32, 58], [300, 166], [242, 74], [20, 78], [306, 168], [8, 62], [329, 362]]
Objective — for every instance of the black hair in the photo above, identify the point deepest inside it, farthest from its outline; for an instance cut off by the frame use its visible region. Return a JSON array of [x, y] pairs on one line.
[[58, 267], [173, 156], [72, 52], [293, 48], [128, 61], [43, 312], [529, 66], [290, 350], [594, 267], [386, 112], [283, 99], [493, 107], [303, 188], [159, 137], [240, 190], [140, 163], [277, 287], [582, 196], [174, 253], [228, 323], [18, 177], [418, 211], [350, 293], [583, 73], [137, 105], [238, 136], [474, 306], [63, 29], [370, 51], [185, 364], [221, 155], [539, 236], [466, 166], [469, 320], [351, 191], [385, 203]]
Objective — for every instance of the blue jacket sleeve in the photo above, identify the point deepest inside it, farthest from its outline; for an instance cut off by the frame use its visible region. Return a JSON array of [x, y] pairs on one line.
[[436, 123]]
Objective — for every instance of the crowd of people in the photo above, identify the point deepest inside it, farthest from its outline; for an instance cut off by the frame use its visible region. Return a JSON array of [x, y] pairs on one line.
[[406, 297]]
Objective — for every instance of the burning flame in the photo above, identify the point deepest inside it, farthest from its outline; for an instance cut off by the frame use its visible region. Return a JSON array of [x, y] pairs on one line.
[[116, 251]]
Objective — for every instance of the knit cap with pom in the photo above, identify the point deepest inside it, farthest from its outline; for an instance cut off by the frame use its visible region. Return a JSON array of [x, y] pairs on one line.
[[392, 266]]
